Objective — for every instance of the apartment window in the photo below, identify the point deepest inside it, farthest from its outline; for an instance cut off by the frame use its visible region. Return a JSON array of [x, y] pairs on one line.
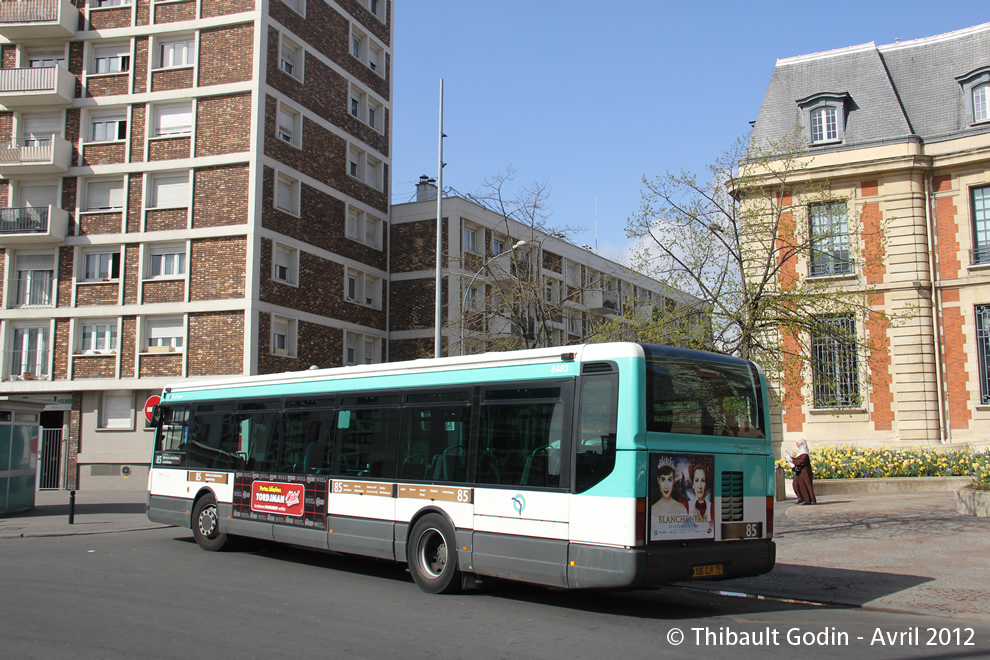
[[981, 103], [363, 228], [470, 240], [115, 58], [165, 333], [983, 350], [364, 167], [834, 362], [100, 266], [291, 58], [29, 351], [980, 203], [285, 264], [176, 52], [361, 349], [287, 194], [298, 6], [108, 126], [172, 119], [283, 336], [169, 191], [498, 247], [105, 195], [116, 410], [289, 126], [111, 3], [365, 108], [45, 57], [829, 239], [37, 129], [167, 260], [35, 280], [97, 336], [976, 94], [365, 49], [362, 288], [376, 7]]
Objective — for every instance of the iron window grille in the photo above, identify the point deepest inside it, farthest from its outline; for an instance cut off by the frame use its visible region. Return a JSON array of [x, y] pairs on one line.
[[835, 362]]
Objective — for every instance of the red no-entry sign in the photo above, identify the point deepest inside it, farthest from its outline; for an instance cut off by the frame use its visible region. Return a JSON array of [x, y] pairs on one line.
[[150, 404]]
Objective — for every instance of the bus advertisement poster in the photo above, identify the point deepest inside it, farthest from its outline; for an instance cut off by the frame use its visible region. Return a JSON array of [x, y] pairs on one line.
[[681, 497], [282, 499]]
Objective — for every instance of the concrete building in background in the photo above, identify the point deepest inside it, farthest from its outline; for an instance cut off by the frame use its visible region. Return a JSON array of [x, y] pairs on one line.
[[902, 133], [506, 284], [190, 189]]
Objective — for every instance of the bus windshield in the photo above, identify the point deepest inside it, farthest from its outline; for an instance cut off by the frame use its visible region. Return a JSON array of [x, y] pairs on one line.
[[702, 394]]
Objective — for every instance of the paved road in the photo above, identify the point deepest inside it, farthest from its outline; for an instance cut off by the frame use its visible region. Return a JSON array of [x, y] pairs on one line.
[[155, 594]]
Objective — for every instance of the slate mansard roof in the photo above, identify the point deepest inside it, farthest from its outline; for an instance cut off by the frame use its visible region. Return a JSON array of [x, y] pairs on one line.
[[895, 93]]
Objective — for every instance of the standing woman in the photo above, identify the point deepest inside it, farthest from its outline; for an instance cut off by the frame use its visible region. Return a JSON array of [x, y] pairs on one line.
[[801, 464]]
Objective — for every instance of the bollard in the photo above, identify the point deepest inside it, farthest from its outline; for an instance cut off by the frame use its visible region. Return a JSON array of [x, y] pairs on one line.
[[72, 506]]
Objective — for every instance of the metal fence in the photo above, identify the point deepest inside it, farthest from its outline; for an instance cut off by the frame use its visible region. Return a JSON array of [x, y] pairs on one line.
[[27, 79], [29, 11], [25, 220]]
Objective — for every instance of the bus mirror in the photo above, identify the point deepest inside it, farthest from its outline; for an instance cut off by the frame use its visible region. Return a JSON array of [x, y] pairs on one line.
[[156, 415]]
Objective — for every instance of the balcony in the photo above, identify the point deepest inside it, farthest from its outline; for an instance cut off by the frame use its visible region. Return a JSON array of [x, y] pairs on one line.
[[32, 87], [35, 292], [824, 265], [49, 155], [42, 224], [602, 302], [27, 364], [979, 255], [38, 19]]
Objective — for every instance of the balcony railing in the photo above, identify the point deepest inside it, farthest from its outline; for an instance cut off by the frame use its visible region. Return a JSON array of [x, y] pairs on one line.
[[33, 86], [33, 224], [602, 302], [827, 266], [36, 155], [27, 365], [27, 19], [35, 291], [979, 255]]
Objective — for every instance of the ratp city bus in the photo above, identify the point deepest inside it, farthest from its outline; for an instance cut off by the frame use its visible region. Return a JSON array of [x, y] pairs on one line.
[[597, 466]]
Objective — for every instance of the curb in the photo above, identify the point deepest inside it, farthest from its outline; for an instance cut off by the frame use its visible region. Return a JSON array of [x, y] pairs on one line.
[[37, 535]]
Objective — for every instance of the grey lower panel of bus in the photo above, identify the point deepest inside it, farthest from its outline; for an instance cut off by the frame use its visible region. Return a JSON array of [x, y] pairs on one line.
[[257, 529], [541, 561], [596, 566], [169, 510], [361, 536], [307, 536]]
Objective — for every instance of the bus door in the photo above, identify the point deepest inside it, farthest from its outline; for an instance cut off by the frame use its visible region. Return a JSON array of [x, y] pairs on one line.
[[521, 499]]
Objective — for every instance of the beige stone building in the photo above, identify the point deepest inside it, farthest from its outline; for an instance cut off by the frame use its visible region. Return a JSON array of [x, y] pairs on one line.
[[188, 189], [901, 132]]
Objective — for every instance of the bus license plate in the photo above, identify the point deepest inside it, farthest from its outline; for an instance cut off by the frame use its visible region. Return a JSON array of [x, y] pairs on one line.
[[708, 570]]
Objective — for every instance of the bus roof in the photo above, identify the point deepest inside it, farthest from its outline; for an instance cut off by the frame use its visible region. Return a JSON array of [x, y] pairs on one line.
[[580, 353]]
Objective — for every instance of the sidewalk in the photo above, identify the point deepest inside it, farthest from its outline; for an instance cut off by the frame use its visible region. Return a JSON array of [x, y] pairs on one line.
[[97, 512], [909, 552]]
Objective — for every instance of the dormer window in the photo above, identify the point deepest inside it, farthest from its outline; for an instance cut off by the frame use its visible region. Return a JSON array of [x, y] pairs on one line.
[[976, 94], [825, 117]]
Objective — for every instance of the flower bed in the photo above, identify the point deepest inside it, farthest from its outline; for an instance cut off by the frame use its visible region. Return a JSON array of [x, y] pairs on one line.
[[847, 462]]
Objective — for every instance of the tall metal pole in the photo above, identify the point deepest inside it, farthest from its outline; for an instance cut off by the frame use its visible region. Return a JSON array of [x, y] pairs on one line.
[[438, 319]]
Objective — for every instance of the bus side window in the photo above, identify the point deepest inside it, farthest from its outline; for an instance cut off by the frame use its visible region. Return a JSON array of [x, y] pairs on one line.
[[595, 450]]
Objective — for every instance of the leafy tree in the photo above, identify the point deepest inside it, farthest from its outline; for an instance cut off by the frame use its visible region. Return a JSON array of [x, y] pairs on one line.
[[778, 261]]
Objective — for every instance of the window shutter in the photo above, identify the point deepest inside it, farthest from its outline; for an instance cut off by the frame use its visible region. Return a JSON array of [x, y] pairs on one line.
[[170, 191], [174, 119]]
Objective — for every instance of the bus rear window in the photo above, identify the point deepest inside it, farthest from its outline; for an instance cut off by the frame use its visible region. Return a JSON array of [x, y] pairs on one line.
[[699, 397]]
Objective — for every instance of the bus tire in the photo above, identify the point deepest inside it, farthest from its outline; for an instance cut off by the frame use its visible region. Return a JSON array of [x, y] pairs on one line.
[[206, 525], [432, 555]]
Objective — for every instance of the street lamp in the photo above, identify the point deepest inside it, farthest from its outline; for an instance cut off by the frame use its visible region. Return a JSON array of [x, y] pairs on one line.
[[467, 290]]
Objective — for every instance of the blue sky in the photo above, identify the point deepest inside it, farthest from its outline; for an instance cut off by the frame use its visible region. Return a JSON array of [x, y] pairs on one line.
[[593, 95]]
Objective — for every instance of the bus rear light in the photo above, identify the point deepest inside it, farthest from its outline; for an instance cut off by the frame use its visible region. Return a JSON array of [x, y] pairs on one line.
[[640, 519], [566, 357], [769, 525]]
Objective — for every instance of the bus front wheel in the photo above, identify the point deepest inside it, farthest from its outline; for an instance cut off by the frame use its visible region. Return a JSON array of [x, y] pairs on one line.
[[206, 525], [432, 555]]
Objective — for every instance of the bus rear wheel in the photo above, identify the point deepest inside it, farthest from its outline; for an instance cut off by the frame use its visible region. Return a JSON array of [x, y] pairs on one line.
[[206, 525], [432, 555]]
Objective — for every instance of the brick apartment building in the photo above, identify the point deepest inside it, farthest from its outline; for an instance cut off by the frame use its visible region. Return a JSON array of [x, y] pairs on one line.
[[542, 278], [902, 133], [190, 189]]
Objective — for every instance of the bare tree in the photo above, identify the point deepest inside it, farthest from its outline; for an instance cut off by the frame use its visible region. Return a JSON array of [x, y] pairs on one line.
[[736, 240]]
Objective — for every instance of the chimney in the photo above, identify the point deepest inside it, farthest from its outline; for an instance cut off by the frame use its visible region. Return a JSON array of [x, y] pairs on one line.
[[426, 189]]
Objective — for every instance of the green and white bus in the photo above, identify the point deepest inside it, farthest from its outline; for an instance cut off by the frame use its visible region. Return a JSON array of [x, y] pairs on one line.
[[597, 466]]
